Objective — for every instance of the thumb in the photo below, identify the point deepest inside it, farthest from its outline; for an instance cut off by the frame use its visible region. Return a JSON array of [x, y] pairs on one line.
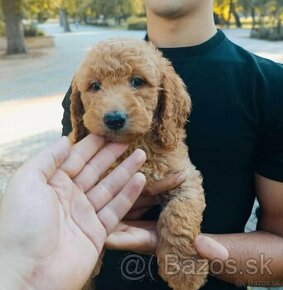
[[210, 249], [49, 160]]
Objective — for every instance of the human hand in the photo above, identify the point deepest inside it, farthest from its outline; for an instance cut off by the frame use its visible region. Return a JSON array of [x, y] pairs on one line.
[[209, 248], [141, 237], [55, 215], [135, 236], [151, 196]]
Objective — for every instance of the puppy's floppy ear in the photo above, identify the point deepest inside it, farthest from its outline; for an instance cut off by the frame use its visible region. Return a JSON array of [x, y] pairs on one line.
[[79, 131], [174, 105]]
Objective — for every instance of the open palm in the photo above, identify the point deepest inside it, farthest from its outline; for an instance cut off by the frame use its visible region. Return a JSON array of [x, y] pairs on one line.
[[56, 216]]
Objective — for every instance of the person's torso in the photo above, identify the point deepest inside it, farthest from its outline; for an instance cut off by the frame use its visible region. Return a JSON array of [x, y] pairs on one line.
[[222, 136]]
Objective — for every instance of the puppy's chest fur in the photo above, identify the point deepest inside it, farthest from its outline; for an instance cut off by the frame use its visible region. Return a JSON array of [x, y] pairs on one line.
[[159, 162]]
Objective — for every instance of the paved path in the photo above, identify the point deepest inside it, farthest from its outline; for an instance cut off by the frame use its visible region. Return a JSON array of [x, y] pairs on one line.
[[32, 88]]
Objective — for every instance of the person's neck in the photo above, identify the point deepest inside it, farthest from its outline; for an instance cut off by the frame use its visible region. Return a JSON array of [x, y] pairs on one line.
[[189, 30]]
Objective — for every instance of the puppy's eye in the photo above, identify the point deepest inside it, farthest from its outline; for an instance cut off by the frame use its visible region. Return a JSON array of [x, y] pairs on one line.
[[95, 86], [137, 82]]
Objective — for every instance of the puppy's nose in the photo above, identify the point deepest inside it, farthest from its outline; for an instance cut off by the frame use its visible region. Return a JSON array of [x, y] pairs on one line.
[[115, 120]]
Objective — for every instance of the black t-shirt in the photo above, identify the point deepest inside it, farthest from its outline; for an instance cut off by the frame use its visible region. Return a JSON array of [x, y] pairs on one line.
[[234, 131]]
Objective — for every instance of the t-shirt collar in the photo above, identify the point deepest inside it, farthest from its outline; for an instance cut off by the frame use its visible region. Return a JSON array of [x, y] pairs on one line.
[[193, 51]]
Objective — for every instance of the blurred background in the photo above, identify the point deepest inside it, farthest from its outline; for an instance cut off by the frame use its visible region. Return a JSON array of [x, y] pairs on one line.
[[42, 42]]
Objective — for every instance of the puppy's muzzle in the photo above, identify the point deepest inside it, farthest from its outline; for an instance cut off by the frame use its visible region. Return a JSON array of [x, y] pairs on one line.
[[115, 120]]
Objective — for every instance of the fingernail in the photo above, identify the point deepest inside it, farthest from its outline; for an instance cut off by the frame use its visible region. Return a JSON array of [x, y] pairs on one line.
[[140, 178], [141, 155], [211, 248], [181, 177]]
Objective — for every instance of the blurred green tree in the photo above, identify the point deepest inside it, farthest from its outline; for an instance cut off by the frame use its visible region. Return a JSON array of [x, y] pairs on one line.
[[13, 15], [66, 8], [40, 10], [267, 16], [118, 9], [15, 10], [225, 9], [263, 11]]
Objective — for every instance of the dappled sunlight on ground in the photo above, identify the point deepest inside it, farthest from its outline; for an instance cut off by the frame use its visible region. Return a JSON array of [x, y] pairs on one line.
[[24, 118], [27, 127]]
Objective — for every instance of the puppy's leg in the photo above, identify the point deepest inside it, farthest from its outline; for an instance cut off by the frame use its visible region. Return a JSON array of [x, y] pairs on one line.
[[178, 226]]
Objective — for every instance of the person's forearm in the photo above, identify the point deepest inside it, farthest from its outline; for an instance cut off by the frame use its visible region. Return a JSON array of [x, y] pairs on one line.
[[255, 259]]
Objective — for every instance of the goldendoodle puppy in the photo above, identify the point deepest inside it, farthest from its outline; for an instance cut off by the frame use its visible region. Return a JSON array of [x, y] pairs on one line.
[[126, 91]]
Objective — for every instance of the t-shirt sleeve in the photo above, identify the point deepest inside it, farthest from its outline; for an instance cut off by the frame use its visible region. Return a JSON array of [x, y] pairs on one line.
[[66, 121], [269, 156]]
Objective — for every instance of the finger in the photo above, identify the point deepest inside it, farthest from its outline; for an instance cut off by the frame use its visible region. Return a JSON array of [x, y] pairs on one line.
[[98, 165], [135, 214], [145, 201], [86, 219], [210, 248], [166, 184], [112, 213], [81, 153], [150, 225], [138, 236], [48, 161], [109, 186], [141, 206]]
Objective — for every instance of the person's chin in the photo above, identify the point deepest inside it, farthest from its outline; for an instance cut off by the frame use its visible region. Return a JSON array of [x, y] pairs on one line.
[[171, 9]]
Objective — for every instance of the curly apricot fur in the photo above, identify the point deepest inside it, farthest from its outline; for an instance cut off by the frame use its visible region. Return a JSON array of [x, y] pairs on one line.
[[157, 113]]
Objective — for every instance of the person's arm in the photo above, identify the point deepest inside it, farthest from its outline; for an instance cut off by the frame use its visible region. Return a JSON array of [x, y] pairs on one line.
[[256, 258], [263, 249], [256, 248]]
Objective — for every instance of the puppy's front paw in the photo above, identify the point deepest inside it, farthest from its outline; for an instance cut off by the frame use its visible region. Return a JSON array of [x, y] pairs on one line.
[[178, 261]]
